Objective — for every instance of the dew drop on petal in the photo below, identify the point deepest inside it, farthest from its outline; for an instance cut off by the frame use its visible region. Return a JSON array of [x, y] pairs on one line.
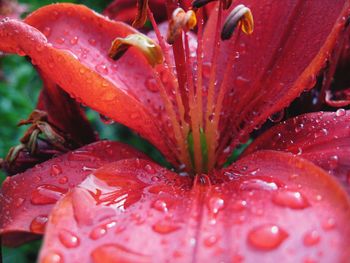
[[101, 68], [38, 224], [47, 31], [311, 238], [277, 117], [210, 241], [151, 85], [92, 41], [47, 194], [333, 161], [329, 224], [258, 184], [74, 40], [160, 205], [55, 170], [267, 237], [150, 169], [19, 201], [340, 112], [52, 257], [68, 239], [106, 120], [164, 227], [291, 199], [63, 180], [60, 40], [215, 204]]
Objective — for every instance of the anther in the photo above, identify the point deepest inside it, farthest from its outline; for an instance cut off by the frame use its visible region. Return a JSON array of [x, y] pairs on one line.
[[144, 44], [141, 17], [180, 20], [240, 16]]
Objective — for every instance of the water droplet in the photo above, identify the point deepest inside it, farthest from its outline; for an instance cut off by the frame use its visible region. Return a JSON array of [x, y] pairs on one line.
[[215, 204], [165, 227], [38, 224], [106, 120], [206, 68], [210, 241], [63, 180], [101, 230], [277, 117], [150, 169], [160, 205], [47, 31], [68, 239], [80, 155], [20, 52], [258, 184], [102, 68], [74, 40], [239, 205], [329, 224], [47, 194], [340, 112], [320, 133], [19, 201], [151, 85], [299, 127], [92, 41], [267, 237], [291, 199], [155, 178], [333, 161], [60, 40], [55, 170], [311, 238], [52, 257]]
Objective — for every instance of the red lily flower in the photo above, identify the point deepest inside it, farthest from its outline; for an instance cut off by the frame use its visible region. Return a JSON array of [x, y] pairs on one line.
[[195, 101]]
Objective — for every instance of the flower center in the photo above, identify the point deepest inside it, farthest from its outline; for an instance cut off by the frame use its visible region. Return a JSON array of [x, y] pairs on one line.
[[194, 101]]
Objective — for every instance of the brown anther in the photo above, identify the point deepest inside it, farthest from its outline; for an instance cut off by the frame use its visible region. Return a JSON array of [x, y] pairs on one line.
[[240, 16], [141, 17], [150, 49], [180, 20]]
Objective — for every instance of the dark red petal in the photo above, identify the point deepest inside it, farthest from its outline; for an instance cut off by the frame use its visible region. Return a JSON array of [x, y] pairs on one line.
[[71, 48], [65, 113], [26, 199], [279, 60], [270, 206], [126, 10], [323, 138]]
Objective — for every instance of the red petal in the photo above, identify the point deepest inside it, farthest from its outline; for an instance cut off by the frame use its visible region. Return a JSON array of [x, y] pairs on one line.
[[279, 60], [75, 58], [279, 207], [26, 199], [323, 138]]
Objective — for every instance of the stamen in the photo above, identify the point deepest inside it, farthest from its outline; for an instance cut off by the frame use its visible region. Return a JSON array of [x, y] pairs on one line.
[[240, 16], [180, 21], [141, 17], [144, 44]]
